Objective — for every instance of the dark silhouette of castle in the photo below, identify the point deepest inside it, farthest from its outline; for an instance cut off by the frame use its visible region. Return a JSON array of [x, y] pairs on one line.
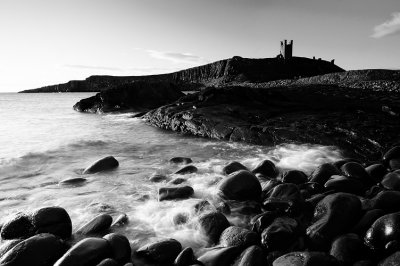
[[286, 50]]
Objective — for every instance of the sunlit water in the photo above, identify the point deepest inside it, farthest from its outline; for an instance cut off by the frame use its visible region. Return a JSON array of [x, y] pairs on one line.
[[43, 141]]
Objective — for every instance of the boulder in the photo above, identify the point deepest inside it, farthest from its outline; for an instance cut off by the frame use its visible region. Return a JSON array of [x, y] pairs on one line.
[[8, 244], [383, 231], [241, 185], [53, 220], [376, 171], [286, 197], [294, 176], [392, 158], [120, 220], [391, 260], [280, 234], [108, 262], [185, 258], [348, 249], [97, 225], [345, 184], [220, 256], [172, 193], [306, 259], [391, 181], [233, 167], [357, 171], [164, 251], [366, 221], [18, 226], [389, 201], [212, 224], [88, 251], [252, 256], [323, 172], [266, 168], [73, 181], [177, 181], [157, 178], [180, 160], [190, 169], [238, 236], [107, 163], [120, 247]]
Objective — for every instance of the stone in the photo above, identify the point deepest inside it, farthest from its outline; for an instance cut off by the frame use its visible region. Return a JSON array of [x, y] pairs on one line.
[[88, 251], [177, 181], [284, 196], [172, 193], [348, 249], [306, 259], [220, 256], [164, 251], [233, 167], [53, 220], [333, 215], [391, 260], [180, 160], [323, 172], [73, 181], [104, 164], [212, 224], [266, 168], [241, 185], [8, 244], [180, 218], [98, 224], [280, 234], [389, 201], [391, 181], [366, 221], [357, 171], [384, 230], [345, 184], [376, 171], [294, 176], [252, 256], [18, 226], [238, 236], [312, 187], [190, 169], [185, 258], [38, 250], [202, 206], [261, 221], [393, 153], [120, 220], [108, 262], [342, 162], [157, 178], [120, 247]]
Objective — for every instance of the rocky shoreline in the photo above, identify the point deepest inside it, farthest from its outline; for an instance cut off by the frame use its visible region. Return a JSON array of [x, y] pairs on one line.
[[343, 213]]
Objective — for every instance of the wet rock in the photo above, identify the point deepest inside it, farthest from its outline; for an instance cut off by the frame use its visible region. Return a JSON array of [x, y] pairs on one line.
[[107, 163], [171, 193], [285, 196], [357, 171], [392, 260], [266, 168], [252, 256], [177, 181], [97, 225], [180, 160], [345, 184], [120, 220], [190, 169], [348, 249], [306, 259], [220, 256], [53, 220], [38, 250], [238, 236], [376, 171], [202, 206], [312, 187], [7, 245], [180, 218], [164, 251], [280, 234], [294, 176], [333, 215], [342, 162], [212, 225], [389, 201], [120, 247], [383, 231], [73, 181], [88, 251], [366, 221], [157, 178], [392, 158], [233, 167], [261, 221], [391, 181], [241, 185], [323, 172], [108, 262], [18, 226], [185, 258]]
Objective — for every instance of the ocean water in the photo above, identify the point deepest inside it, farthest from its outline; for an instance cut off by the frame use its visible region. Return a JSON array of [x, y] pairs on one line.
[[44, 141]]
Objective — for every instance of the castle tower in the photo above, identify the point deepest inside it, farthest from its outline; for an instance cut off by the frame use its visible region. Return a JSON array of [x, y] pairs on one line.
[[287, 49]]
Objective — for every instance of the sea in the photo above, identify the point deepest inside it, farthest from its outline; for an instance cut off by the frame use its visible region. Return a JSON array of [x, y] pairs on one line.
[[44, 141]]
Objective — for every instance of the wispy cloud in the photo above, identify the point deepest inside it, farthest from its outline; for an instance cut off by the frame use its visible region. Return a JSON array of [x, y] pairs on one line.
[[389, 27], [93, 67], [177, 57]]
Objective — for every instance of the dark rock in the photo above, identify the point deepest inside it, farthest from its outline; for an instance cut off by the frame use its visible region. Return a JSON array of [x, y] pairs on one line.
[[392, 260], [180, 218], [376, 171], [38, 250], [323, 172], [348, 249], [345, 184], [252, 256], [53, 220], [157, 178], [190, 169], [333, 215], [268, 185], [366, 221], [261, 221], [238, 236], [108, 262], [223, 207], [220, 256], [185, 258], [73, 181], [294, 176], [120, 247], [7, 245], [107, 163], [88, 251], [212, 225], [164, 251], [384, 230], [120, 220], [233, 167], [177, 181], [266, 168], [389, 201], [357, 171], [286, 194], [391, 181], [19, 226], [241, 185], [392, 154], [312, 187], [202, 206], [171, 193], [179, 160], [280, 234], [342, 162], [306, 259], [99, 224]]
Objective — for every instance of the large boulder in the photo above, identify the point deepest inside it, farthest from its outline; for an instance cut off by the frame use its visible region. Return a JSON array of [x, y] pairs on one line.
[[233, 167], [212, 224], [97, 225], [18, 226], [348, 249], [53, 220], [220, 256], [241, 185], [238, 236], [172, 193], [120, 247], [107, 163], [280, 234], [252, 256], [323, 172], [306, 259], [164, 251], [266, 168], [383, 231]]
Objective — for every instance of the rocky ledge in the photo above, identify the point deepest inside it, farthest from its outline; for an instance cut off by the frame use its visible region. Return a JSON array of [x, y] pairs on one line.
[[363, 122]]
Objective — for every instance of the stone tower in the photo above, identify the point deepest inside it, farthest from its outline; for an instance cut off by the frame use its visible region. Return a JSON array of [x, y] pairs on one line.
[[287, 49]]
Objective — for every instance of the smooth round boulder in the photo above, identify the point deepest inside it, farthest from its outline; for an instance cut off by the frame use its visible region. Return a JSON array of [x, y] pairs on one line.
[[294, 176], [333, 215], [172, 193], [261, 221], [345, 184], [376, 171], [120, 247], [392, 260], [185, 258], [389, 201], [155, 178], [342, 162], [348, 249], [233, 167], [212, 224], [180, 160], [266, 168], [252, 256], [284, 196], [88, 251], [241, 185], [8, 244], [18, 226], [238, 236], [366, 221], [391, 181], [97, 225], [393, 153], [108, 262], [323, 172], [164, 251], [53, 220], [306, 259], [280, 234], [220, 256], [383, 231], [104, 164], [190, 169], [38, 250]]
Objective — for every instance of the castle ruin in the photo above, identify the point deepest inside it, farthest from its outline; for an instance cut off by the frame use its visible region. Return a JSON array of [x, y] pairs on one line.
[[287, 50]]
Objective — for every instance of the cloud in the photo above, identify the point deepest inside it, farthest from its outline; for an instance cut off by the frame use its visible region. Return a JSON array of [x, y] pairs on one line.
[[94, 67], [177, 57], [389, 27]]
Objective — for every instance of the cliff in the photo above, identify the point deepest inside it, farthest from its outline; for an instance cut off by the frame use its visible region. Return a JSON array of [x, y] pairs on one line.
[[236, 69]]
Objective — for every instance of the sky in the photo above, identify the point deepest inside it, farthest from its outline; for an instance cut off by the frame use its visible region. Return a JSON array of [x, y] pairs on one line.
[[45, 42]]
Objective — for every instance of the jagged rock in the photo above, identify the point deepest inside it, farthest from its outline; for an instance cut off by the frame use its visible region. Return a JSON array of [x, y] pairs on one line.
[[19, 226], [241, 185], [266, 168], [98, 224], [212, 224], [306, 259], [172, 193], [383, 231], [107, 163], [164, 251], [233, 167], [53, 220], [120, 247], [238, 236]]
